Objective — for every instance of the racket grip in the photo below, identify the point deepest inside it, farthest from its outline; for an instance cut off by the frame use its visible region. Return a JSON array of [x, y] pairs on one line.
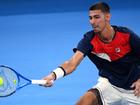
[[39, 82]]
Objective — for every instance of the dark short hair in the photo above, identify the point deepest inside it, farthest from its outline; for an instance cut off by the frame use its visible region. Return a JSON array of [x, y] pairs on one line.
[[104, 7]]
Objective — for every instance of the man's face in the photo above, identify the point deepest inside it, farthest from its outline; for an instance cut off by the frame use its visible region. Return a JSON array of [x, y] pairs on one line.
[[98, 20]]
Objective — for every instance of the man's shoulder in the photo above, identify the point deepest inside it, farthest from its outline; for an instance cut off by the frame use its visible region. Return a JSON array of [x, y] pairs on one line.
[[89, 34], [122, 29]]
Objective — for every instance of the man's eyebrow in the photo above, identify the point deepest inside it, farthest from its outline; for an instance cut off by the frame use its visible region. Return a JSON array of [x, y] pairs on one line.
[[94, 15]]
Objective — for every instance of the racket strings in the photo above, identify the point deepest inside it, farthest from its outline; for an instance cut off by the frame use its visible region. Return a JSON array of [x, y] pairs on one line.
[[9, 84], [6, 83]]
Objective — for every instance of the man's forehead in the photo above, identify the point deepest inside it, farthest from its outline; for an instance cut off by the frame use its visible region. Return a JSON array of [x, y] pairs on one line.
[[95, 12]]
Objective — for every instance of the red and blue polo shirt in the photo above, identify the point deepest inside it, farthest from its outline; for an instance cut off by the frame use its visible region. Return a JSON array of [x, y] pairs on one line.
[[119, 60]]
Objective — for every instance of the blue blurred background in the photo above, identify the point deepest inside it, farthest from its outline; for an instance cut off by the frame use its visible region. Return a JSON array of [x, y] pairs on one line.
[[38, 35]]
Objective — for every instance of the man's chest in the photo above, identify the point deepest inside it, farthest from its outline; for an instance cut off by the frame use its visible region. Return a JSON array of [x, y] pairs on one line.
[[111, 51]]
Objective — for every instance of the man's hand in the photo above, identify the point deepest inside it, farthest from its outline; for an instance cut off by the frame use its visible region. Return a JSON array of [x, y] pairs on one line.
[[136, 86], [49, 80]]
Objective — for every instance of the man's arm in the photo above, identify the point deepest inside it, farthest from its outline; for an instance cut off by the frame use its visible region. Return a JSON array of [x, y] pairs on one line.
[[67, 67], [135, 44]]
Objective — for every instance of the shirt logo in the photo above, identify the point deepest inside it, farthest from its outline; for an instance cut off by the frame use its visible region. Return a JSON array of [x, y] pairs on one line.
[[117, 50]]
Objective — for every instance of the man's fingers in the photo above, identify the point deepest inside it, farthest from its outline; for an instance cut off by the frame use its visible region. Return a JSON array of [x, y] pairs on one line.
[[137, 92], [136, 86], [133, 85], [49, 83]]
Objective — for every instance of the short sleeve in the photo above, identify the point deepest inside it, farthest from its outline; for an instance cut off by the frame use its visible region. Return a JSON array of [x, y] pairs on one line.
[[84, 44], [135, 43]]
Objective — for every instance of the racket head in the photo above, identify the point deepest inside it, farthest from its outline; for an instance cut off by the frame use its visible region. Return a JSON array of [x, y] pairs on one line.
[[10, 81]]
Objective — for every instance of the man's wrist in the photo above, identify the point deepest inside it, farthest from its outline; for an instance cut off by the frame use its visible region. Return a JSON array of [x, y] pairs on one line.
[[58, 73], [53, 75]]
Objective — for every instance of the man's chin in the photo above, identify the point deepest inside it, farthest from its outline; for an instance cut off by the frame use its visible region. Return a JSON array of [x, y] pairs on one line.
[[96, 31]]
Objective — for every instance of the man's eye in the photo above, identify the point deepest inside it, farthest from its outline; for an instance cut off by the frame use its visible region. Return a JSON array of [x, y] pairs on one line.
[[97, 17], [90, 17]]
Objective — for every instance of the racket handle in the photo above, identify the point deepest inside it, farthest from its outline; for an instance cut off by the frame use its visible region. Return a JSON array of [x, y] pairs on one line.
[[40, 82]]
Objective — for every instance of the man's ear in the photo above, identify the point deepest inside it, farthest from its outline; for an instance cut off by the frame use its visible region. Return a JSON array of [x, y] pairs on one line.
[[107, 16]]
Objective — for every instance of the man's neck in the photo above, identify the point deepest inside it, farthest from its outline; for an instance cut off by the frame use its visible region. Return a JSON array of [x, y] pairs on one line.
[[108, 35]]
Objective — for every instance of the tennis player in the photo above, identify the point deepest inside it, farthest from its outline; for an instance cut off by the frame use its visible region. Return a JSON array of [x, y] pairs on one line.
[[115, 50]]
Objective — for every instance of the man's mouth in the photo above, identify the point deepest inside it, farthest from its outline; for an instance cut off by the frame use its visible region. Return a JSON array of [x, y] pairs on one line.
[[95, 26]]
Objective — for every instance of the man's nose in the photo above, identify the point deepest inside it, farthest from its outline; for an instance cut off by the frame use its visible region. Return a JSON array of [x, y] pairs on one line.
[[92, 21]]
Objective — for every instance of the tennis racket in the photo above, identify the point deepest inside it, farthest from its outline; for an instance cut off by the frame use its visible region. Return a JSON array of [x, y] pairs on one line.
[[10, 81]]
